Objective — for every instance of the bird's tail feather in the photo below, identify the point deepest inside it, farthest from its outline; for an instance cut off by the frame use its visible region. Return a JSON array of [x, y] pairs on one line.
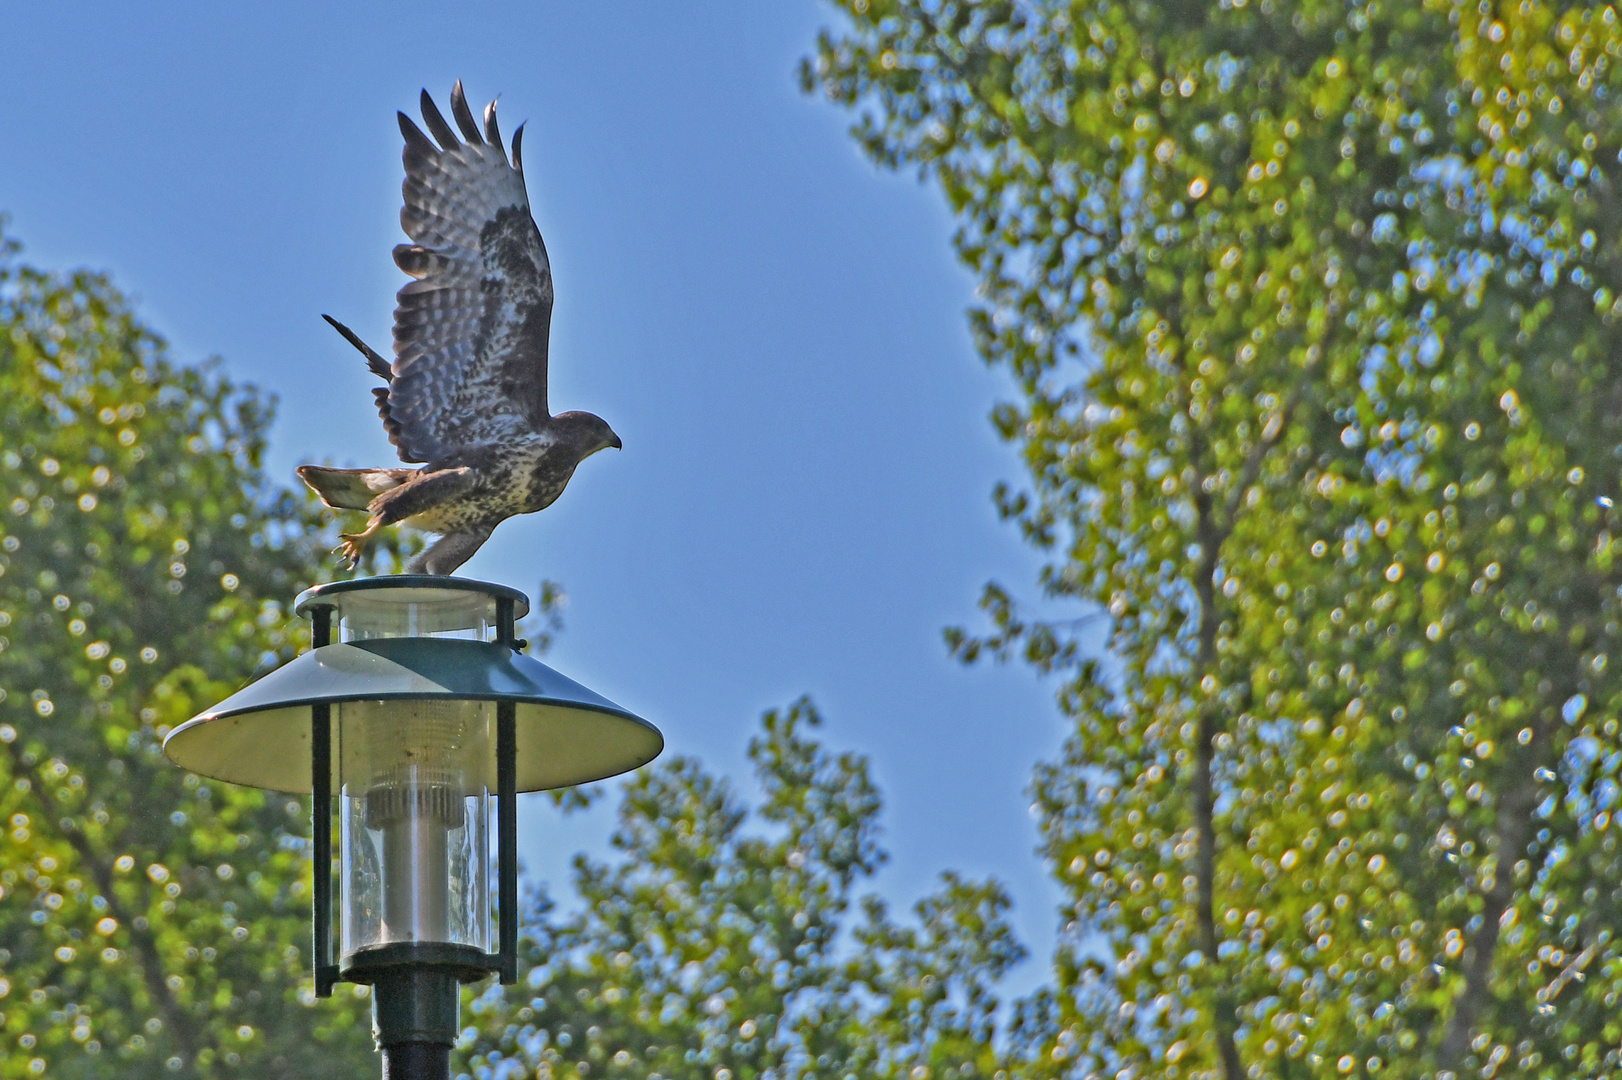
[[380, 367], [352, 489]]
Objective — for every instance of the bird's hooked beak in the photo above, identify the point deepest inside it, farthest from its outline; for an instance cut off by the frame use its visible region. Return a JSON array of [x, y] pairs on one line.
[[614, 441]]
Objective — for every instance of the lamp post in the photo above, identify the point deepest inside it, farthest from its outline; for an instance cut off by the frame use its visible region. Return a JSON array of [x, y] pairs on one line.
[[411, 709]]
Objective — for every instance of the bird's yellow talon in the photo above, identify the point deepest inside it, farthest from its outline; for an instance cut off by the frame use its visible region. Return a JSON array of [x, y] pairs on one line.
[[354, 545]]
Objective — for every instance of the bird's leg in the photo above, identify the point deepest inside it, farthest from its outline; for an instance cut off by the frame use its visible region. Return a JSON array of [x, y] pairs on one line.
[[354, 544], [451, 551]]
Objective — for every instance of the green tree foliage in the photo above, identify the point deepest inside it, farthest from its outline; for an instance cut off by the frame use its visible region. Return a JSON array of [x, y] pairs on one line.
[[151, 924], [709, 951], [1311, 308]]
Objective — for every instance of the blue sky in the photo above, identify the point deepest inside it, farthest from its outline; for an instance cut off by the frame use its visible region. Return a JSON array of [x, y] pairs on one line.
[[774, 327]]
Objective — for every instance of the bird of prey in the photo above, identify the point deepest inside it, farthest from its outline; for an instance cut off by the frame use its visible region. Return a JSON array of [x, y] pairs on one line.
[[465, 396]]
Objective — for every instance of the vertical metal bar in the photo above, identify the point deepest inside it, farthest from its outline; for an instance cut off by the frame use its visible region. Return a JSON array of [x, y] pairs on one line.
[[507, 834], [505, 633], [321, 833], [326, 972]]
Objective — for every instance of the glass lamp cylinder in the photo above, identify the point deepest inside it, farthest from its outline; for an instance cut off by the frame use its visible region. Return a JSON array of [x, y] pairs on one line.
[[414, 811]]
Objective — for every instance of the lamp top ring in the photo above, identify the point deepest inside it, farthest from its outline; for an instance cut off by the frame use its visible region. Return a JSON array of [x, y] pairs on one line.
[[409, 588]]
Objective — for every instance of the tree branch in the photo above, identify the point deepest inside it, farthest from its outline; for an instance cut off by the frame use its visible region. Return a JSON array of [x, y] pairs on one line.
[[1211, 537], [1271, 433], [1513, 829], [1212, 534]]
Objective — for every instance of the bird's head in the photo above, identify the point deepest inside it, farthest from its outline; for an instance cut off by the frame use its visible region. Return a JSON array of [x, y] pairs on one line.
[[587, 432]]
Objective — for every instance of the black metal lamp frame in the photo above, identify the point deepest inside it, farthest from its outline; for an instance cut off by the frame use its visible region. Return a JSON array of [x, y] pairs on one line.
[[415, 984]]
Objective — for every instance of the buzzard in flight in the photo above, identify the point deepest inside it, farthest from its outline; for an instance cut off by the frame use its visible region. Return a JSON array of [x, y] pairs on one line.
[[466, 394]]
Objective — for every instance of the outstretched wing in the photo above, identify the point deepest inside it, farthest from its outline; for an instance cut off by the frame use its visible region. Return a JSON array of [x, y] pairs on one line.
[[470, 333]]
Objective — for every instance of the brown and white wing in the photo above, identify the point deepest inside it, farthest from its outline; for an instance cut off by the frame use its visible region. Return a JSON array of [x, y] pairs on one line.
[[470, 333]]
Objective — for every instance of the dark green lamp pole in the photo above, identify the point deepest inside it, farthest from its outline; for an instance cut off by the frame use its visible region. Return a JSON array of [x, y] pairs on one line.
[[413, 707]]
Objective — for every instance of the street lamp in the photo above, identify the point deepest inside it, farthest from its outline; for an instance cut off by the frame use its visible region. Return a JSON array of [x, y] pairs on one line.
[[416, 713]]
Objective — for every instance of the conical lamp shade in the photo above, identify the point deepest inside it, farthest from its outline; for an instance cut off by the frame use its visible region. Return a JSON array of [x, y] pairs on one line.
[[566, 734]]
